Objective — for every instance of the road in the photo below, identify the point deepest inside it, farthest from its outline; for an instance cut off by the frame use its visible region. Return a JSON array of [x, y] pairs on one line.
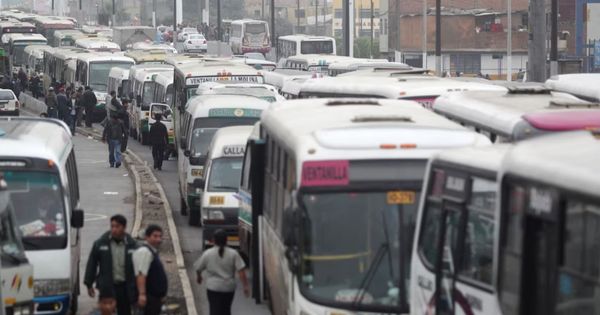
[[191, 237]]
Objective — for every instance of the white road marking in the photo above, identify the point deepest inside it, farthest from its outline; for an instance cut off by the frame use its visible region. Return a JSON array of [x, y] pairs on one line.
[[111, 193], [94, 217]]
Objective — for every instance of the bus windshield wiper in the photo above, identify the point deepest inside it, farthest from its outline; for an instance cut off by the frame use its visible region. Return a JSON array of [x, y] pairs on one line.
[[225, 187]]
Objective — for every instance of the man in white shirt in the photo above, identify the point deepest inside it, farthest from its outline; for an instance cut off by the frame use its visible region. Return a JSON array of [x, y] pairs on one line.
[[151, 278]]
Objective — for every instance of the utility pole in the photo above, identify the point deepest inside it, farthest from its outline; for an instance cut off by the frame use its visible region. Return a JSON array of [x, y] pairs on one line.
[[316, 17], [114, 14], [554, 38], [425, 21], [537, 41], [273, 34], [219, 37], [372, 29], [509, 42], [263, 9], [438, 37], [297, 15], [153, 13]]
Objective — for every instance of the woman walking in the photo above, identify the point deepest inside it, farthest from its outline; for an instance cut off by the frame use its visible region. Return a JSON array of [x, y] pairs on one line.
[[221, 264]]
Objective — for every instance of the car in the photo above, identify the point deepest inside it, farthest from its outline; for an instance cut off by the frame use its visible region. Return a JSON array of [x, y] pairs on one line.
[[195, 42], [185, 32], [254, 55], [9, 105]]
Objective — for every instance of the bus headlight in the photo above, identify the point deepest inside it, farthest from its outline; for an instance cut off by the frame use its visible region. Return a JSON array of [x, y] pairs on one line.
[[22, 310], [211, 214], [51, 287]]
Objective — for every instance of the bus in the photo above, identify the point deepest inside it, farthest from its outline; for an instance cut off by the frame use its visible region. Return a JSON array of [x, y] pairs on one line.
[[163, 92], [312, 63], [258, 64], [300, 44], [278, 77], [263, 91], [43, 184], [166, 48], [118, 80], [65, 37], [34, 59], [423, 89], [155, 56], [93, 68], [4, 62], [97, 45], [582, 85], [203, 116], [11, 26], [547, 249], [452, 269], [337, 170], [46, 25], [15, 270], [517, 113], [219, 205], [57, 62], [250, 36], [141, 78], [16, 48]]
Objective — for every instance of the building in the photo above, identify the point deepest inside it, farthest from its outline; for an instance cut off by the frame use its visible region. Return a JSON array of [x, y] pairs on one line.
[[364, 12], [294, 16]]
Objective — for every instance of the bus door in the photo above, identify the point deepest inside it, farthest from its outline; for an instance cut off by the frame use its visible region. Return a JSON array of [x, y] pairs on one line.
[[256, 152]]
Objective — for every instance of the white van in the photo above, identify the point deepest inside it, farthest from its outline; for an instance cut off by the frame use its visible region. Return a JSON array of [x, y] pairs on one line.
[[219, 205]]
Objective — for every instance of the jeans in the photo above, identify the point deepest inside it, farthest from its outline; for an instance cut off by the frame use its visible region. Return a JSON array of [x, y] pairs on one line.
[[88, 115], [220, 302], [122, 297], [114, 152], [72, 122], [158, 154], [153, 305]]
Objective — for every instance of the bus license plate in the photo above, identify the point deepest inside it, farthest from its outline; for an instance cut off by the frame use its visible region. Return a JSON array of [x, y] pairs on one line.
[[216, 200], [233, 239], [400, 197]]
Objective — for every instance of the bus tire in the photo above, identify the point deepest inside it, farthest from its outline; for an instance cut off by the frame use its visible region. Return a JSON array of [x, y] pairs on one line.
[[183, 206]]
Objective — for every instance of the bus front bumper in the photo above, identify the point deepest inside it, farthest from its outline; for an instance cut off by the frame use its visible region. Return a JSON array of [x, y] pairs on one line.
[[55, 305], [20, 309]]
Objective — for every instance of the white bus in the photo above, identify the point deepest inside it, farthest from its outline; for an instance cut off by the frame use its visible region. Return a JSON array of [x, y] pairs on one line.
[[342, 183], [16, 47], [423, 89], [548, 249], [93, 69], [163, 93], [518, 112], [582, 85], [15, 270], [300, 44], [278, 77], [41, 177], [141, 78], [118, 80], [65, 37], [34, 58], [97, 45], [203, 116], [452, 269], [263, 91], [312, 63], [219, 205], [57, 62], [342, 67], [250, 36]]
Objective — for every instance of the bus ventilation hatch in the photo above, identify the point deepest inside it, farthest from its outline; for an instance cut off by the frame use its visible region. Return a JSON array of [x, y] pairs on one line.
[[366, 119], [352, 102], [568, 104]]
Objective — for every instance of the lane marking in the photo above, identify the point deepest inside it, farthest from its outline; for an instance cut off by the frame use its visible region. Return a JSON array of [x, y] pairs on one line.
[[113, 193], [88, 217]]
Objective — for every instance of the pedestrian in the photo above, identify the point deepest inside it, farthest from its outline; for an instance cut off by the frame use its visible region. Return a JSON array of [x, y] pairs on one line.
[[159, 139], [108, 102], [124, 117], [22, 75], [73, 112], [62, 105], [15, 86], [115, 105], [88, 101], [34, 86], [221, 263], [80, 107], [110, 268], [51, 103], [113, 134], [151, 278]]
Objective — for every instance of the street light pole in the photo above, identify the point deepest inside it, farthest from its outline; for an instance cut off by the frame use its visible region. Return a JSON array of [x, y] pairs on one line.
[[219, 38], [509, 42], [554, 38], [438, 37], [273, 37], [316, 17], [425, 21], [372, 29]]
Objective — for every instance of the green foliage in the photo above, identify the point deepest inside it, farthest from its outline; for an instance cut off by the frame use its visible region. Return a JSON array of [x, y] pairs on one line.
[[361, 47]]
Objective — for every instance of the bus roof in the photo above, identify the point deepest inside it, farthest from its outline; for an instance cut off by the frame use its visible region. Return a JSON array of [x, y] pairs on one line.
[[277, 77], [358, 64], [409, 86], [54, 21], [141, 56], [229, 137], [67, 33], [319, 59], [583, 85], [26, 37], [502, 111], [119, 73], [164, 78], [67, 52], [330, 128], [94, 57], [302, 37], [487, 159], [214, 67], [14, 23], [97, 43], [242, 21], [146, 74], [37, 50], [152, 46], [20, 137], [200, 106], [566, 160]]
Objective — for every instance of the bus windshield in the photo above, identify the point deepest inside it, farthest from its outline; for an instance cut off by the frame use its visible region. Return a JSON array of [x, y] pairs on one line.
[[316, 47], [366, 271], [10, 246], [225, 174], [67, 41], [255, 28], [18, 53], [205, 128], [41, 215], [99, 73], [147, 94]]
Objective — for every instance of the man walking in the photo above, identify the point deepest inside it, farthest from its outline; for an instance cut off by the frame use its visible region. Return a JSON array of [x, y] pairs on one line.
[[114, 132], [110, 267], [89, 102], [159, 139], [51, 103], [63, 106], [151, 278]]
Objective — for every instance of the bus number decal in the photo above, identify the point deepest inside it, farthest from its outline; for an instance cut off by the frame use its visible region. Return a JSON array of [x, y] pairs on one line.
[[325, 173], [400, 197], [455, 183], [540, 201]]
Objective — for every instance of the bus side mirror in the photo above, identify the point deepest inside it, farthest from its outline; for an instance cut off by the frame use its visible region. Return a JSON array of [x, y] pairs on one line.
[[77, 219], [186, 153]]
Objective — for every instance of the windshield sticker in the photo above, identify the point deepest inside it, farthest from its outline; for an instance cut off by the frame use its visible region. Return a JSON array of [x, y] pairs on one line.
[[234, 150], [234, 112], [400, 197], [540, 201], [325, 173]]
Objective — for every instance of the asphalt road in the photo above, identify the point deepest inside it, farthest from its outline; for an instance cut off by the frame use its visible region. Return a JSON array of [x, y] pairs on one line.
[[191, 237]]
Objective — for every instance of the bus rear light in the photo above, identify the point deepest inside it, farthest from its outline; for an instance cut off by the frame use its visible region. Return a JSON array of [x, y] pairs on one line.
[[245, 41], [408, 146], [50, 164], [387, 146], [17, 104]]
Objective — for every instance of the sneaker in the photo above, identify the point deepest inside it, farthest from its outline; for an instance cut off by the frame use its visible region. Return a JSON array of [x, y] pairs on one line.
[[118, 165]]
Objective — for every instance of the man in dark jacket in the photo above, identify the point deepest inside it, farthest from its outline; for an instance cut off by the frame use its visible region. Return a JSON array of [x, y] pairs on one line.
[[88, 101], [110, 267], [63, 106], [51, 103], [159, 139], [114, 132]]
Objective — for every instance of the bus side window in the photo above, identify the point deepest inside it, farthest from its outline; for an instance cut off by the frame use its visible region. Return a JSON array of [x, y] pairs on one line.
[[431, 219], [246, 183], [267, 177]]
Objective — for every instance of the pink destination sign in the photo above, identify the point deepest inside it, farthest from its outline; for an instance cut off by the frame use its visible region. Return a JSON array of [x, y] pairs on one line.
[[325, 173]]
